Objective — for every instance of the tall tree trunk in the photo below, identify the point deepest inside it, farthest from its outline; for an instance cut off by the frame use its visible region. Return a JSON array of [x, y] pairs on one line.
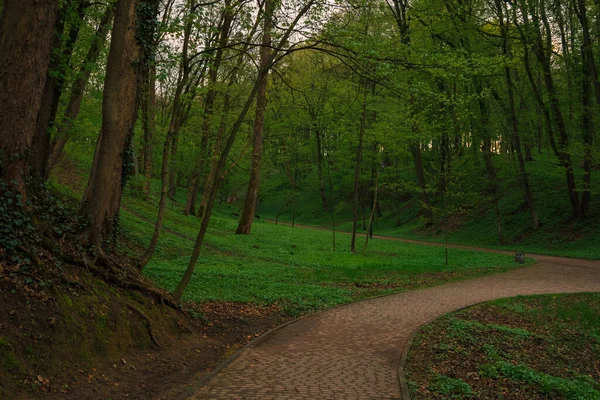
[[514, 132], [356, 192], [148, 98], [209, 103], [218, 171], [590, 80], [26, 37], [41, 140], [319, 140], [78, 88], [552, 115], [55, 82], [174, 125], [102, 197], [420, 172], [372, 216], [543, 53], [247, 215]]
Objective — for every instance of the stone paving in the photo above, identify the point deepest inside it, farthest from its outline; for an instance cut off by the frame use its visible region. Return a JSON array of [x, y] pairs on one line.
[[353, 352]]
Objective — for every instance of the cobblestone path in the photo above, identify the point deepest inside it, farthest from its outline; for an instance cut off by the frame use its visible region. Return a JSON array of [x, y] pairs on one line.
[[353, 351]]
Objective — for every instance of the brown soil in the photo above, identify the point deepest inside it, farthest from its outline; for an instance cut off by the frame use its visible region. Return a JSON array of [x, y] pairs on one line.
[[553, 348], [81, 339]]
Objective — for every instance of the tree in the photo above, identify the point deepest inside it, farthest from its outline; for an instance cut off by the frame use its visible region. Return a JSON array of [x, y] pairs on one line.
[[133, 31], [26, 39], [247, 215]]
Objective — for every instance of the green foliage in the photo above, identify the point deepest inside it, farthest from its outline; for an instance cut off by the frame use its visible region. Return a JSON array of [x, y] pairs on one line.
[[7, 358], [578, 388], [550, 358], [295, 268], [16, 228], [452, 388]]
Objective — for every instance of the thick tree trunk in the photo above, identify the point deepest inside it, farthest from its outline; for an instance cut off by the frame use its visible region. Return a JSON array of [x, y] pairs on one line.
[[102, 197], [26, 38], [247, 215], [78, 88]]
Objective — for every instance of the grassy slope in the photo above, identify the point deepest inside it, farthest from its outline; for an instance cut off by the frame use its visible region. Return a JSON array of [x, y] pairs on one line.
[[295, 268], [475, 224], [518, 348]]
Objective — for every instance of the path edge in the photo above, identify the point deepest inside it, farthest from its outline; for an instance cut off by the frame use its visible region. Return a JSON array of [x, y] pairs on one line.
[[404, 390], [192, 389]]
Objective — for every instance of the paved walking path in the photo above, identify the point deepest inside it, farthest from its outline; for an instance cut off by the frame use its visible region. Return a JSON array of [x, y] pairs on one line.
[[353, 352]]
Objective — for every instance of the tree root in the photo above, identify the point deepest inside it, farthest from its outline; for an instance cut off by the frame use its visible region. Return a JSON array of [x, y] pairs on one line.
[[148, 323], [117, 275]]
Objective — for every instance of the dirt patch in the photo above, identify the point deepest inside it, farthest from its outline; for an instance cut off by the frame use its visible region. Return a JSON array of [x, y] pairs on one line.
[[489, 352], [83, 340]]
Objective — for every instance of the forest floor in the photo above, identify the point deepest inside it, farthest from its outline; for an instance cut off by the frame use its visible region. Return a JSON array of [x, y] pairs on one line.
[[242, 287], [354, 351], [519, 348]]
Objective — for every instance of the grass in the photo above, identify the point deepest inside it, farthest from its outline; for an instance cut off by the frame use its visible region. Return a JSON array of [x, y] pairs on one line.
[[474, 222], [529, 347], [294, 267]]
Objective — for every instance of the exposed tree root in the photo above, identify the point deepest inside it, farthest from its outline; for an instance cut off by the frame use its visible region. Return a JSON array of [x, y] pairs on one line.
[[119, 275], [148, 323]]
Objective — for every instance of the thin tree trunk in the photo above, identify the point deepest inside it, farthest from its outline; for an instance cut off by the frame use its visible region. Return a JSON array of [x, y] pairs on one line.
[[590, 75], [372, 216], [26, 37], [355, 197], [247, 216], [174, 126], [217, 172], [55, 82], [148, 126], [78, 88], [515, 138], [420, 172], [320, 168], [208, 109]]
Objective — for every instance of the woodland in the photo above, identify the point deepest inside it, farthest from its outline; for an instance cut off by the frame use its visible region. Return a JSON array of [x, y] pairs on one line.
[[161, 159]]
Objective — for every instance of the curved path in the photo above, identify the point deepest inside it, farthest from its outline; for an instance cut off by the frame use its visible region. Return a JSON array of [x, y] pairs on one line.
[[354, 351]]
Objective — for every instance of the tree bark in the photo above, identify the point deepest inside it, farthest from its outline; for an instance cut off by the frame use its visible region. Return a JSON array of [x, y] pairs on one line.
[[217, 172], [77, 90], [148, 125], [590, 80], [174, 126], [420, 172], [319, 140], [102, 197], [355, 196], [26, 38], [247, 215], [55, 82], [514, 133], [211, 96]]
